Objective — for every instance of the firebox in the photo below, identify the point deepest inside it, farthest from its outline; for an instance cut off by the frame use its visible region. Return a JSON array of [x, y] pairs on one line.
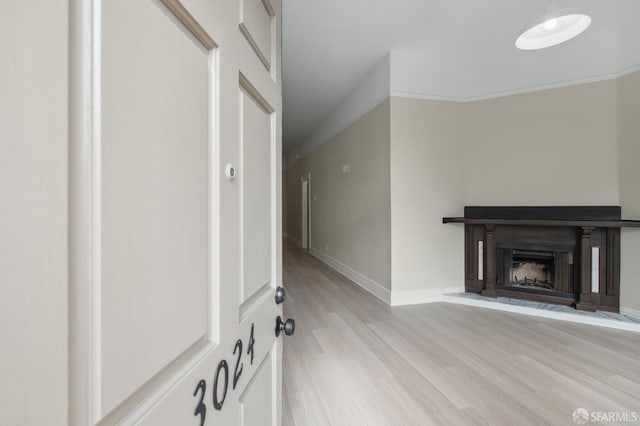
[[541, 271], [531, 269]]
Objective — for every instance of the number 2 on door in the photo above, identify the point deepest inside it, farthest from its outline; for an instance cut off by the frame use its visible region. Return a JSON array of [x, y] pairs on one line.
[[219, 395]]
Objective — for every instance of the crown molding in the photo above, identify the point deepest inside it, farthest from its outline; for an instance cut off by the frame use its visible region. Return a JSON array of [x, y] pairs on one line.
[[520, 91]]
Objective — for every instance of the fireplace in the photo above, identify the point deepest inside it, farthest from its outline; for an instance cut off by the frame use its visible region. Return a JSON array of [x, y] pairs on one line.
[[564, 255]]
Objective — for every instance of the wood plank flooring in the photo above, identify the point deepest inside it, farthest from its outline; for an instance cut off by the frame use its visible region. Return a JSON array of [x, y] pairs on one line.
[[356, 361]]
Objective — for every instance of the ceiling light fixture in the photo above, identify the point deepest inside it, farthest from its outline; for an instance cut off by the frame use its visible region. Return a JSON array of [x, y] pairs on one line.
[[552, 28]]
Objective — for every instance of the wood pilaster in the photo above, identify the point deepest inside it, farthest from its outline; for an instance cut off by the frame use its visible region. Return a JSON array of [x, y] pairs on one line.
[[585, 303], [490, 262]]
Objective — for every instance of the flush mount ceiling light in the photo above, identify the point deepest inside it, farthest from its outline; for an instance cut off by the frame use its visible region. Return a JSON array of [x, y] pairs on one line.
[[553, 28]]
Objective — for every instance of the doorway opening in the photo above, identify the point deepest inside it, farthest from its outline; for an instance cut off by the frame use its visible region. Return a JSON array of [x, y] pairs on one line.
[[306, 212]]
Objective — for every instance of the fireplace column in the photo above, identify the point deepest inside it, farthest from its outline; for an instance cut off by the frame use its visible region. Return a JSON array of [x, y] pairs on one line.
[[490, 262], [585, 303]]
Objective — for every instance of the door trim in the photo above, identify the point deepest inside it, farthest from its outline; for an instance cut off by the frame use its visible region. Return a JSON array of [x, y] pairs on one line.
[[82, 242]]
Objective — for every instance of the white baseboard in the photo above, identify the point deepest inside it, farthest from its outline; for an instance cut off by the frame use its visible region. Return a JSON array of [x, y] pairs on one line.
[[365, 282], [427, 295], [633, 313]]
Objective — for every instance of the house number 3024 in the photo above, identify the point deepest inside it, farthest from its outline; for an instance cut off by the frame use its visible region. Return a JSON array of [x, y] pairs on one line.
[[221, 379]]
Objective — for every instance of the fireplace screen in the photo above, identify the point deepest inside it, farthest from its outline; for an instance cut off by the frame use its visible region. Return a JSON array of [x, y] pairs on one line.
[[536, 270]]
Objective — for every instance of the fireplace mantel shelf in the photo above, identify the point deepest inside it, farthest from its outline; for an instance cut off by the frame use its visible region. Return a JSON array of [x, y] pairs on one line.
[[546, 222]]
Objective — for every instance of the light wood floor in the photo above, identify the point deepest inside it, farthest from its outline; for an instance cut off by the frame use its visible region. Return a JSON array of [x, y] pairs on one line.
[[355, 361]]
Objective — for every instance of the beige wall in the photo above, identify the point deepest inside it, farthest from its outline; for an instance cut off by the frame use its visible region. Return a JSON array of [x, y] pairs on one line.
[[629, 150], [553, 147], [350, 213], [33, 218], [291, 195], [427, 183]]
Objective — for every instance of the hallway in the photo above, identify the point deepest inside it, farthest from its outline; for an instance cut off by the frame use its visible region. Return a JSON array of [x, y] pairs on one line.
[[356, 361]]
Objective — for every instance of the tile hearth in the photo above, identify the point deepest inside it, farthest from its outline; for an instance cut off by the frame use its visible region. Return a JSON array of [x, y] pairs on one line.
[[548, 310]]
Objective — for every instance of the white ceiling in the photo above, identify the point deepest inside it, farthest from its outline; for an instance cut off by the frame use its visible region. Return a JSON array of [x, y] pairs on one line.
[[452, 49]]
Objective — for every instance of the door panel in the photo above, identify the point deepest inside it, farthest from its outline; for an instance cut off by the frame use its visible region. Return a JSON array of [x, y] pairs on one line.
[[175, 260], [256, 17], [255, 407], [256, 141], [154, 179]]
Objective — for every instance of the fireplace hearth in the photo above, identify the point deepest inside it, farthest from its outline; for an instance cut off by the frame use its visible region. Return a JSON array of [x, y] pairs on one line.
[[563, 255]]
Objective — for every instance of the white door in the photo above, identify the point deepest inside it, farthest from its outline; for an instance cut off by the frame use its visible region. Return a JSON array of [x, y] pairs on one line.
[[175, 248], [305, 214]]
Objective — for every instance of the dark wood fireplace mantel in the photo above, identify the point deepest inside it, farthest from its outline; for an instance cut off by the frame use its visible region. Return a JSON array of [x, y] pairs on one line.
[[572, 234]]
